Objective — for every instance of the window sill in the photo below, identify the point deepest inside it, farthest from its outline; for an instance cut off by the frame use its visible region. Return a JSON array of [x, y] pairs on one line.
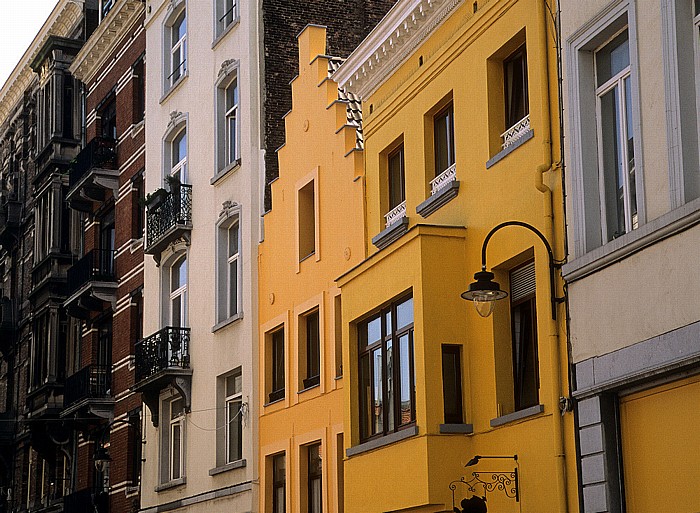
[[383, 441], [275, 397], [434, 202], [310, 387], [176, 85], [462, 429], [649, 233], [504, 153], [517, 415], [233, 166], [170, 484], [226, 322], [229, 466], [135, 245], [391, 233], [137, 128], [307, 256], [224, 32]]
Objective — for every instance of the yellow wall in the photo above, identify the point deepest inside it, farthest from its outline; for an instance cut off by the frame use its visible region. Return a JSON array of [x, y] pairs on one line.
[[437, 257], [319, 148]]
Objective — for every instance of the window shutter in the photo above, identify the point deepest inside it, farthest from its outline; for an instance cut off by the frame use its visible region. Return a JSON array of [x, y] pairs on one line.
[[522, 282]]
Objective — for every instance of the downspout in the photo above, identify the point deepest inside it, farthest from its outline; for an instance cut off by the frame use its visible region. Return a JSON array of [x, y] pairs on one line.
[[540, 185]]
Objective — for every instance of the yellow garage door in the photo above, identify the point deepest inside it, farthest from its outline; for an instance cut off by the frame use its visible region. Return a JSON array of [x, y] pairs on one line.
[[660, 431]]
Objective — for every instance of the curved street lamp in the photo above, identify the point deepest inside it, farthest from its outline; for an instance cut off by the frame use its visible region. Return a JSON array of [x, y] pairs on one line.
[[484, 292]]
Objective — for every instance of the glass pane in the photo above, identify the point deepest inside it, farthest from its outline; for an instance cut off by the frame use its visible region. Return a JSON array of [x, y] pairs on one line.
[[515, 83], [387, 321], [613, 167], [176, 449], [377, 412], [697, 7], [371, 333], [234, 431], [315, 499], [404, 314], [180, 147], [233, 240], [612, 58], [231, 95], [177, 408], [180, 27], [176, 314], [630, 152], [233, 384], [278, 360], [233, 287], [443, 142], [405, 379], [313, 350], [365, 397], [396, 178], [452, 385], [390, 389], [231, 128]]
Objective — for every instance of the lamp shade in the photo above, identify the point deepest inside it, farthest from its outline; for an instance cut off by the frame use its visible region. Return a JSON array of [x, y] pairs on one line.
[[484, 291]]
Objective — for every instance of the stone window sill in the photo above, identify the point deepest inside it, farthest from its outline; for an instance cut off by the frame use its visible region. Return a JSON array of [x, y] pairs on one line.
[[463, 429], [310, 387], [226, 322], [224, 32], [517, 415], [383, 441], [170, 484], [229, 466], [435, 201], [391, 233], [504, 153], [231, 168]]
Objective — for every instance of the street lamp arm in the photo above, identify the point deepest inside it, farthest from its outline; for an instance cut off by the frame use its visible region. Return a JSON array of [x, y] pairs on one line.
[[552, 262]]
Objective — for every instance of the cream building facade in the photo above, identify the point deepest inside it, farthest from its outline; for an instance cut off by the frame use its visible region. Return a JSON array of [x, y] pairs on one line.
[[203, 165], [631, 126]]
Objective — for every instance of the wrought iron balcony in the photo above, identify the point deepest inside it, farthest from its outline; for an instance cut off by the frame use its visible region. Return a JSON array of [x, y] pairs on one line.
[[169, 218], [163, 359], [89, 387], [91, 280], [93, 172]]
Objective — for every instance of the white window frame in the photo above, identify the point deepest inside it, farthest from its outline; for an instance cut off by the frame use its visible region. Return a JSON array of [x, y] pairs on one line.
[[236, 398], [229, 219], [176, 127], [221, 11], [231, 116], [584, 163], [172, 471], [177, 12], [617, 82], [232, 259], [176, 423], [179, 168], [225, 160], [179, 294]]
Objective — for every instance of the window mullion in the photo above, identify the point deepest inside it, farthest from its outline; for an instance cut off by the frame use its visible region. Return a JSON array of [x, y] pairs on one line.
[[627, 203], [601, 170]]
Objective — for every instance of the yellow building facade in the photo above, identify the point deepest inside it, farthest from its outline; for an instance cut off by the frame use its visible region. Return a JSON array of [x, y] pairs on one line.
[[461, 134], [313, 233]]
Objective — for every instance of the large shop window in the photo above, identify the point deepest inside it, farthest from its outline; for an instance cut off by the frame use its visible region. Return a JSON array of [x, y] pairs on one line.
[[386, 370]]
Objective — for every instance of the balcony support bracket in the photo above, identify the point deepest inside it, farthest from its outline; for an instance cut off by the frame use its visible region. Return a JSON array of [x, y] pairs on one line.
[[151, 396]]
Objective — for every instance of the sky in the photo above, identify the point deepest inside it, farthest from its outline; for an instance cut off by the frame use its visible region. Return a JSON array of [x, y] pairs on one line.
[[20, 20]]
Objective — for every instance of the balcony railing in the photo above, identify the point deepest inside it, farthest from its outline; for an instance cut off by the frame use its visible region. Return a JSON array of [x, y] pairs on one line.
[[443, 180], [396, 214], [100, 152], [96, 265], [515, 132], [167, 348], [91, 382], [175, 211]]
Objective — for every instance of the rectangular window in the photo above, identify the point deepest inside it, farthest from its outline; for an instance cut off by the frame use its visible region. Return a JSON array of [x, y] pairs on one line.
[[138, 202], [178, 48], [231, 115], [232, 269], [136, 447], [177, 445], [226, 14], [515, 87], [314, 479], [452, 384], [278, 364], [386, 372], [139, 77], [108, 119], [234, 422], [615, 138], [443, 129], [307, 220], [397, 186], [526, 379], [106, 7], [311, 335], [338, 325], [279, 502]]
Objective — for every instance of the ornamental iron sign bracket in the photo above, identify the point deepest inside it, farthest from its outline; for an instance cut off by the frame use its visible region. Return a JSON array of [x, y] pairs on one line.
[[481, 484]]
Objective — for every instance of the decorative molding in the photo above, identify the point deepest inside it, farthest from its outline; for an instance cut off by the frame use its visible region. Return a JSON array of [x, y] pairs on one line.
[[176, 118], [99, 47], [228, 209], [391, 42], [60, 22], [227, 67]]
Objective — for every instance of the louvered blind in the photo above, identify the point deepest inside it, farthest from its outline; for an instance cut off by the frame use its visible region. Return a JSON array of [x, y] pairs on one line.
[[522, 282]]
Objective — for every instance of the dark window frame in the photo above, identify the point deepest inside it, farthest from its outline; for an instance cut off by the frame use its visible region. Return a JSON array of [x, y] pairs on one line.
[[313, 349], [314, 475], [527, 305], [393, 187], [512, 113], [277, 379], [279, 483], [445, 115], [456, 416]]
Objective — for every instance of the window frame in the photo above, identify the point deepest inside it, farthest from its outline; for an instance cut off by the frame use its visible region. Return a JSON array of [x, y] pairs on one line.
[[455, 351], [232, 399], [278, 484], [181, 292], [447, 113], [313, 477], [177, 14], [277, 364], [509, 120], [222, 22], [386, 315], [231, 114], [391, 186], [229, 219], [173, 423], [312, 348]]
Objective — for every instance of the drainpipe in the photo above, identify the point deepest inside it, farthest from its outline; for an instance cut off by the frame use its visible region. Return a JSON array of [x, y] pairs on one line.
[[540, 185]]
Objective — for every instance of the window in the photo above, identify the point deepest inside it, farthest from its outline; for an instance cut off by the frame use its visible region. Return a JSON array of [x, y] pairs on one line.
[[515, 88], [526, 380], [178, 157], [44, 227], [309, 333], [338, 326], [229, 269], [137, 314], [138, 210], [397, 183], [314, 477], [226, 15], [386, 374], [443, 130], [177, 293], [173, 440], [231, 121], [175, 35], [452, 384], [136, 447], [139, 84], [307, 220], [278, 484], [234, 422], [108, 119], [615, 138], [277, 384], [105, 7]]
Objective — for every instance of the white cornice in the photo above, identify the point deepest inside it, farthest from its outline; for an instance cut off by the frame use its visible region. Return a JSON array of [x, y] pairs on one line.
[[61, 22], [99, 46], [391, 42]]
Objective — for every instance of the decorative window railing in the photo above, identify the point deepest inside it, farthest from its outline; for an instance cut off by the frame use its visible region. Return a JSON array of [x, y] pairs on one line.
[[444, 179], [100, 152], [169, 347], [91, 382], [515, 132], [96, 265], [396, 214]]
